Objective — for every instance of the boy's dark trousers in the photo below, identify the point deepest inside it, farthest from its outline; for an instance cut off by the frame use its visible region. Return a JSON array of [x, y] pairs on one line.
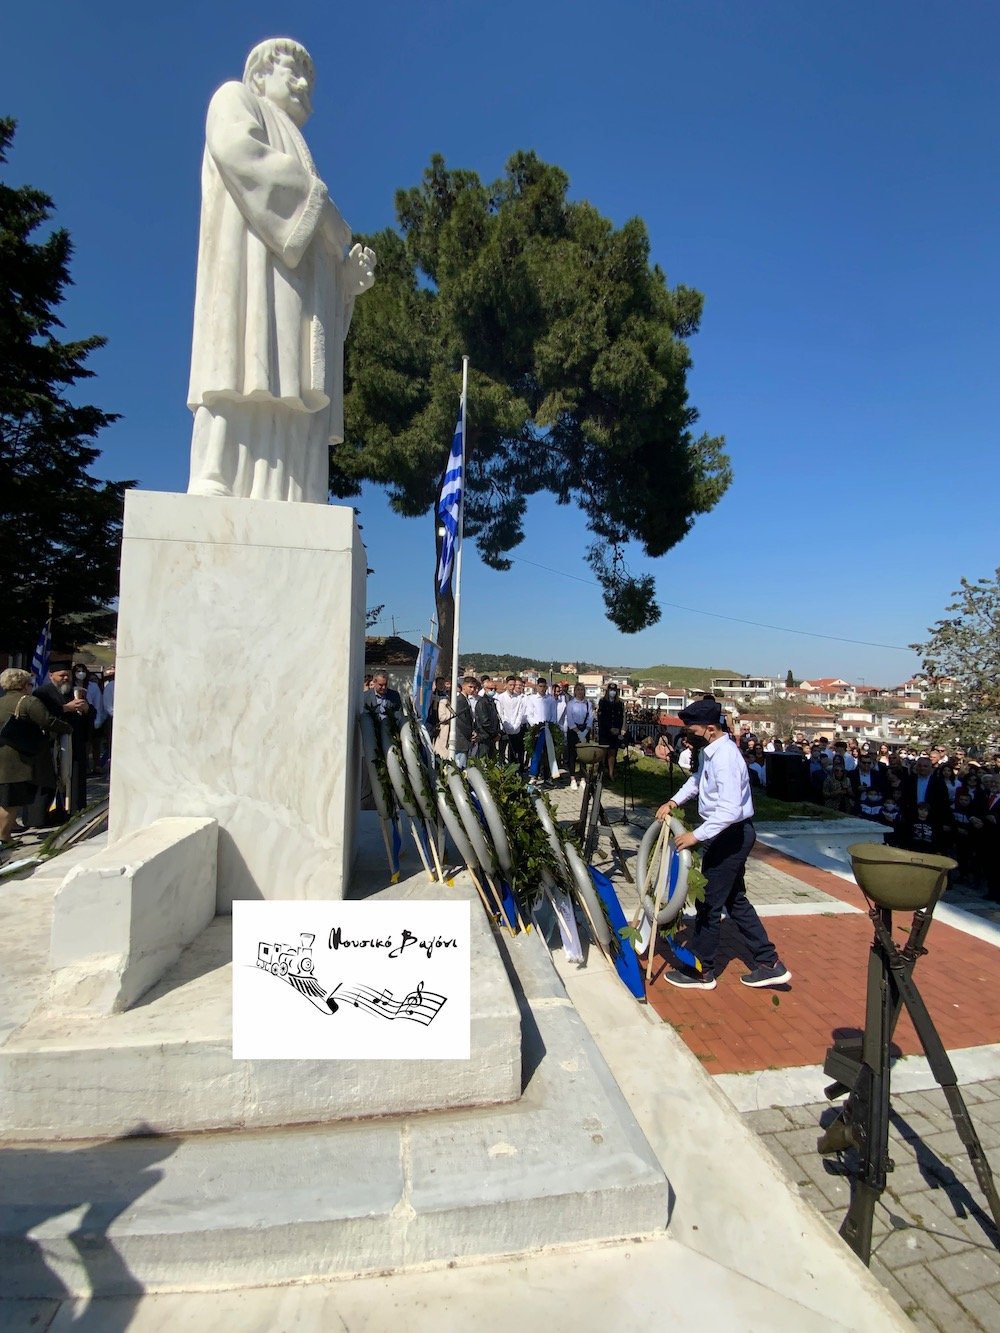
[[723, 864]]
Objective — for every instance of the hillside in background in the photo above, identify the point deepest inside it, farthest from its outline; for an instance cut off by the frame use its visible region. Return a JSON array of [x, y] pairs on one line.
[[690, 677]]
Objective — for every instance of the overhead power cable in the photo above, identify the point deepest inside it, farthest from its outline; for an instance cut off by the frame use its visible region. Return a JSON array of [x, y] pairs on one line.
[[717, 615]]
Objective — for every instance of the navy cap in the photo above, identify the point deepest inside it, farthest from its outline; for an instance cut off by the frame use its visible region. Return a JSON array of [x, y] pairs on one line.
[[702, 713]]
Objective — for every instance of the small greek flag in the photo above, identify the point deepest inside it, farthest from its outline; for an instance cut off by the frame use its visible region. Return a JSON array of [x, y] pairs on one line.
[[449, 505], [43, 651], [423, 676]]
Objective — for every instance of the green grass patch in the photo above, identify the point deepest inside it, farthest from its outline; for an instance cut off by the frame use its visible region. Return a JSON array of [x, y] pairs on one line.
[[650, 786]]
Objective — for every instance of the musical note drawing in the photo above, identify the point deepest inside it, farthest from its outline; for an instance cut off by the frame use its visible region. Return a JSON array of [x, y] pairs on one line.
[[294, 965], [419, 1006]]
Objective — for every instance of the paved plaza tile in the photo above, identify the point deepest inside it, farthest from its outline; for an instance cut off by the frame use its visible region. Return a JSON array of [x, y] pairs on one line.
[[935, 1244]]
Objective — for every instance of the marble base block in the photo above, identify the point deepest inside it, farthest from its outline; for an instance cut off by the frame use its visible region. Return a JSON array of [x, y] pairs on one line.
[[121, 919], [239, 671]]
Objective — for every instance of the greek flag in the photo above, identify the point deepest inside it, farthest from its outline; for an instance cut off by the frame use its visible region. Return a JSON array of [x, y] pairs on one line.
[[423, 676], [43, 651], [449, 504]]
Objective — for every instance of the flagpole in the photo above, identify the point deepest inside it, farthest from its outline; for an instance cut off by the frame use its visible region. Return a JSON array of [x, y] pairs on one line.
[[457, 579]]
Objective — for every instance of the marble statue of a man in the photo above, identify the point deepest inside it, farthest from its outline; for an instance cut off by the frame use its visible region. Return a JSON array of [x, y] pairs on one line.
[[275, 292]]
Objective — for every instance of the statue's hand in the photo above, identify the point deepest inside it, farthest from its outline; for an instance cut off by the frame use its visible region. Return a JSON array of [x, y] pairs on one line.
[[359, 269]]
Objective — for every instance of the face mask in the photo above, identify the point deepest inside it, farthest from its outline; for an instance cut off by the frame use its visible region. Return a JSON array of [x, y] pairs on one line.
[[612, 694], [81, 675]]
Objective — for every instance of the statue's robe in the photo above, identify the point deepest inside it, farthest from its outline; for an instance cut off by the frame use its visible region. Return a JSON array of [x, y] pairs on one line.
[[271, 311]]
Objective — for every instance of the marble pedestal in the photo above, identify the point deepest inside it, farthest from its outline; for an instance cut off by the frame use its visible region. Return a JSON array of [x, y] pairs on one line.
[[239, 670]]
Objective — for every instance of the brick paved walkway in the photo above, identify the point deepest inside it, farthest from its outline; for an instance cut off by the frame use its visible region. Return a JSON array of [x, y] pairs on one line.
[[735, 1030], [935, 1246]]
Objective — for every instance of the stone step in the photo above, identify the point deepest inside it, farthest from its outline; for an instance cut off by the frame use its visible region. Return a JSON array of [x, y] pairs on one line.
[[167, 1062], [565, 1163]]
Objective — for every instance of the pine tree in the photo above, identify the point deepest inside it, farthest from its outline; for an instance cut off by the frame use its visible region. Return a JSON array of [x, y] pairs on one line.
[[60, 528], [578, 373]]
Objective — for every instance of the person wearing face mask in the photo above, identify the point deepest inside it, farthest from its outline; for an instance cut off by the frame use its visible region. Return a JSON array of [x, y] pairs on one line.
[[560, 698], [464, 723], [725, 806], [611, 724], [487, 721], [579, 725]]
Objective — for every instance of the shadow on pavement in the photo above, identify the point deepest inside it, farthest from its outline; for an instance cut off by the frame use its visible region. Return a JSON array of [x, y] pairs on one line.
[[97, 1181]]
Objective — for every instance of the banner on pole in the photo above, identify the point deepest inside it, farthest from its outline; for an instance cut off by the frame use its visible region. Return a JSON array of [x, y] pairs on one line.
[[423, 676]]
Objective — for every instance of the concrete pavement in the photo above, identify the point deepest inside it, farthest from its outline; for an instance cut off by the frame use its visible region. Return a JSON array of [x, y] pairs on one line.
[[742, 1250], [935, 1246]]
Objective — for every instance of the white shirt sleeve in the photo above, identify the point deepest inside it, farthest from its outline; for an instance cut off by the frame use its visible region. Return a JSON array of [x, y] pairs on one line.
[[724, 796]]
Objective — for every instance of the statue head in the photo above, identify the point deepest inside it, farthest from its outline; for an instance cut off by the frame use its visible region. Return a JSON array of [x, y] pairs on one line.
[[282, 70]]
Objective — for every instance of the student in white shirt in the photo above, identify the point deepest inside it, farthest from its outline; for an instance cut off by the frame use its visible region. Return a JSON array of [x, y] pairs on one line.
[[725, 805], [510, 706], [540, 709], [579, 727]]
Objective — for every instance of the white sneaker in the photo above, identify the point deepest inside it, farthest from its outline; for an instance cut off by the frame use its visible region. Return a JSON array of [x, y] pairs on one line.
[[572, 784]]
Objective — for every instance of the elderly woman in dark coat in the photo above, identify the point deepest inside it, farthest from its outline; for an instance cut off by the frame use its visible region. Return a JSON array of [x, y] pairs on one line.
[[21, 777]]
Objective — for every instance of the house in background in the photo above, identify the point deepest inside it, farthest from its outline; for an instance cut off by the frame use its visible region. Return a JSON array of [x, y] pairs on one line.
[[756, 688], [912, 693], [829, 690]]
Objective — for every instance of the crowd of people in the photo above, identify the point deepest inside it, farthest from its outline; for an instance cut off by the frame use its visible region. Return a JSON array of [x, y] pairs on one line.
[[931, 800], [503, 720], [69, 719]]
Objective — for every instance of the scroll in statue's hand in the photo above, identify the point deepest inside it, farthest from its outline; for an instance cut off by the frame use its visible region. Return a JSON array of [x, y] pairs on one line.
[[359, 269]]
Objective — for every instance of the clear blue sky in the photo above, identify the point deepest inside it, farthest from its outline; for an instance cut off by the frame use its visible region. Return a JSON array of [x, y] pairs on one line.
[[826, 175]]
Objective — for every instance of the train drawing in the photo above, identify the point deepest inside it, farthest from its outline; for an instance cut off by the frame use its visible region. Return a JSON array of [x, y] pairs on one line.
[[280, 959]]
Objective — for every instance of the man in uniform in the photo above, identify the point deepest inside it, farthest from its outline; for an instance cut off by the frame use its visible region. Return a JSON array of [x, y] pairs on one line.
[[722, 785]]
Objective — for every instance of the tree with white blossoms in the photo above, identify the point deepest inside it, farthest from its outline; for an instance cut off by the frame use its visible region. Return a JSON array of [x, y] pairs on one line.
[[965, 646]]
